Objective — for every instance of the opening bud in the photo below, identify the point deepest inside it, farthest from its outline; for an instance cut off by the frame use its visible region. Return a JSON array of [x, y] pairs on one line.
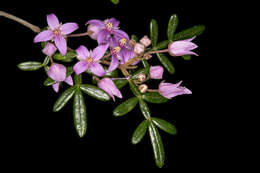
[[143, 88]]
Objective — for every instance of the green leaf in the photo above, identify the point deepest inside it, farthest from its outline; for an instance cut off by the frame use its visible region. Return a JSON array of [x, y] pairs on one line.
[[158, 149], [69, 71], [172, 25], [125, 107], [63, 99], [144, 109], [67, 58], [166, 63], [146, 67], [77, 78], [134, 37], [115, 1], [154, 32], [140, 132], [49, 82], [162, 45], [46, 61], [136, 74], [165, 126], [30, 66], [189, 33], [154, 97], [79, 113], [186, 57], [95, 92], [120, 83], [134, 88], [113, 73]]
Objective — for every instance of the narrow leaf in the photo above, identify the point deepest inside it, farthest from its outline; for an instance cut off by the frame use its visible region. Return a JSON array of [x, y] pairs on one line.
[[136, 74], [29, 66], [172, 25], [144, 109], [162, 45], [154, 32], [165, 126], [63, 99], [79, 113], [134, 37], [95, 92], [49, 82], [186, 57], [46, 61], [140, 132], [134, 88], [125, 107], [154, 97], [166, 63], [115, 1], [146, 67], [158, 149], [67, 58], [189, 33], [120, 83], [78, 78]]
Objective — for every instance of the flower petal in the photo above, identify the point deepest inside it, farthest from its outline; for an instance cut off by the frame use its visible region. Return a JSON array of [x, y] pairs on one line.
[[61, 44], [113, 65], [97, 69], [68, 28], [99, 52], [114, 22], [56, 87], [83, 53], [43, 36], [49, 49], [108, 85], [121, 34], [57, 72], [96, 22], [52, 21], [69, 80], [103, 37], [80, 67]]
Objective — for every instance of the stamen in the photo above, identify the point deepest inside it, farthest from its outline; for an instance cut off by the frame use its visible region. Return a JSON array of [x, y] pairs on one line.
[[116, 50], [122, 42], [109, 26], [89, 60]]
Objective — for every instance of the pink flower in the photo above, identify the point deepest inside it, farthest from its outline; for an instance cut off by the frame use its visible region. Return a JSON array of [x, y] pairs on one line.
[[49, 49], [108, 85], [169, 90], [156, 72], [139, 48], [93, 31], [57, 72], [145, 41], [56, 32], [183, 47]]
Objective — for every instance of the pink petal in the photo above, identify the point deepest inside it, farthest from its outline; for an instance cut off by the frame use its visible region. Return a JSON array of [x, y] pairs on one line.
[[56, 87], [61, 44], [52, 21], [43, 36], [120, 33], [68, 28], [97, 69], [156, 72], [95, 22], [108, 85], [69, 80], [114, 22], [113, 65], [80, 67], [49, 49], [99, 52], [83, 53], [102, 37], [57, 72]]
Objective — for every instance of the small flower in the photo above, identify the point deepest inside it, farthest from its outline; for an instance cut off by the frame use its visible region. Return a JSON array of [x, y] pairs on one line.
[[143, 88], [169, 90], [49, 49], [145, 41], [156, 72], [90, 60], [183, 47], [57, 72], [93, 31], [139, 48], [56, 32], [141, 77], [108, 85]]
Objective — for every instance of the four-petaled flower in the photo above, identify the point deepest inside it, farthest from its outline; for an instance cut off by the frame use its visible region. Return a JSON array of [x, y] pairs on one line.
[[57, 72], [156, 72], [183, 47], [90, 60], [169, 90], [108, 85], [56, 32]]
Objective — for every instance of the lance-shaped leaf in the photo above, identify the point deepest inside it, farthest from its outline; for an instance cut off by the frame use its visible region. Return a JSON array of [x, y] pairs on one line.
[[67, 58], [30, 66], [165, 126], [46, 61], [115, 1], [172, 25], [136, 74], [120, 83], [186, 57], [134, 88], [154, 97], [189, 33], [79, 113], [63, 99], [140, 132], [166, 63], [158, 150], [134, 37], [146, 67], [95, 92], [125, 107], [144, 109], [162, 45], [154, 32]]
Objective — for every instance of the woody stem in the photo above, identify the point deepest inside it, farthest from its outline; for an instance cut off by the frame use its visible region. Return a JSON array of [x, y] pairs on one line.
[[78, 35], [158, 51]]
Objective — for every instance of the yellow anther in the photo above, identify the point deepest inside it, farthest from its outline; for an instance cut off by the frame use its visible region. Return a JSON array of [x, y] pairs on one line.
[[122, 42], [109, 26], [116, 50], [89, 60]]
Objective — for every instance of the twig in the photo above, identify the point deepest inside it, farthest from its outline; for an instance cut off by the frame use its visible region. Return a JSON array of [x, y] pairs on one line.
[[78, 35]]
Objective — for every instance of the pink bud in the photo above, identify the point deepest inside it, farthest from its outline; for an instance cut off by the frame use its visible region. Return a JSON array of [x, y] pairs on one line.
[[139, 48], [182, 47], [93, 31], [156, 72], [49, 49], [145, 41], [169, 90]]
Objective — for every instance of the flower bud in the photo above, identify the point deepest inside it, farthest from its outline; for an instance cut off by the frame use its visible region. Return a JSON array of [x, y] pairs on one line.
[[132, 42], [139, 48], [147, 56], [169, 90], [143, 88], [145, 41], [108, 85], [156, 72], [141, 77], [182, 47], [93, 31], [49, 49]]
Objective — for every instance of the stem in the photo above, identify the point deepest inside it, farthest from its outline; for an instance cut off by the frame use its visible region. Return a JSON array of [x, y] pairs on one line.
[[21, 21], [78, 35], [152, 90], [158, 51]]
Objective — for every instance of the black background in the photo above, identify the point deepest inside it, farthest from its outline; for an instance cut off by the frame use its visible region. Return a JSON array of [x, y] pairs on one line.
[[32, 132]]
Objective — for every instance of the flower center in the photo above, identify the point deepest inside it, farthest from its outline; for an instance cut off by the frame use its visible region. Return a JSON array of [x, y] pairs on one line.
[[89, 60], [56, 31], [109, 26], [116, 50], [122, 42]]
